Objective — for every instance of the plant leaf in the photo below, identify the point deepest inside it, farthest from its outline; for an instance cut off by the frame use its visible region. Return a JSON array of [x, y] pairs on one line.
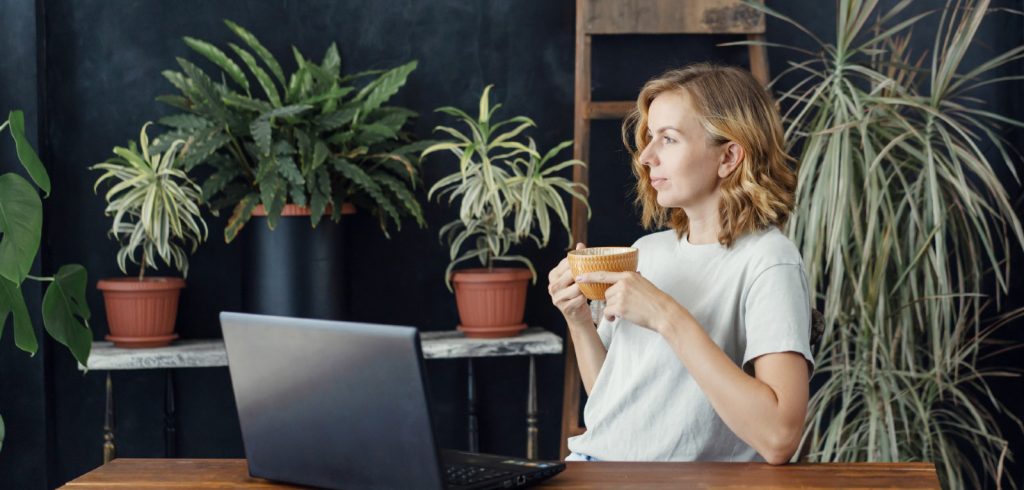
[[240, 216], [66, 312], [260, 50], [21, 225], [26, 154], [214, 54], [12, 301], [266, 83], [387, 85], [260, 130]]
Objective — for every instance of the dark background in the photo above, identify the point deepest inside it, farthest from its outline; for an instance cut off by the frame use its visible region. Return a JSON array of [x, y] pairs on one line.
[[86, 73]]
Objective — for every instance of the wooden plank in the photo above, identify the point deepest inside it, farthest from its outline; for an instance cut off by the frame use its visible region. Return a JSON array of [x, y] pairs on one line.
[[612, 109], [578, 224], [570, 399], [147, 474], [150, 474], [655, 476], [581, 128], [671, 17], [758, 59]]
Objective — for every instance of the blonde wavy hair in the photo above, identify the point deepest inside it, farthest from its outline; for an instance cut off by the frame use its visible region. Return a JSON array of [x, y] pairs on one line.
[[732, 106]]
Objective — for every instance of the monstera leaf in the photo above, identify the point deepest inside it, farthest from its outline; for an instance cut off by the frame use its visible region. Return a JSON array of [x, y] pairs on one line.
[[65, 312]]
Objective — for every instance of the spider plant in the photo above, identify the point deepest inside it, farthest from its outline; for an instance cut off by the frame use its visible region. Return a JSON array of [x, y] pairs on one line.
[[507, 189], [155, 205], [903, 223]]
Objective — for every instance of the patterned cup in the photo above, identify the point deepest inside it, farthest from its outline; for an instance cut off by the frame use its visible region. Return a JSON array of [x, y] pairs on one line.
[[611, 259]]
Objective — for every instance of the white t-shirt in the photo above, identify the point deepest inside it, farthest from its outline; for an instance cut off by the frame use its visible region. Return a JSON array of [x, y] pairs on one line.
[[752, 299]]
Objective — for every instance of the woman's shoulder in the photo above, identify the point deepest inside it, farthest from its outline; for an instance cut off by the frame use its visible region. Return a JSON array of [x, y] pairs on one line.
[[768, 247], [657, 239]]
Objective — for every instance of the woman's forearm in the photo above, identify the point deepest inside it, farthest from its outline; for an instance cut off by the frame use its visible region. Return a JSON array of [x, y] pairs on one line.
[[750, 407], [590, 351]]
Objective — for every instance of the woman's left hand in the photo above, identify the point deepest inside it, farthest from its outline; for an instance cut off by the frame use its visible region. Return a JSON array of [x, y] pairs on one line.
[[633, 297]]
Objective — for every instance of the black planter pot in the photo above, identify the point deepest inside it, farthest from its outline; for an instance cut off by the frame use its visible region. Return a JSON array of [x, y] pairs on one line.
[[296, 270]]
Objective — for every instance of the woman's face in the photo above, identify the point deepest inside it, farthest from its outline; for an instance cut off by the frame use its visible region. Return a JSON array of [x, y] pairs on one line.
[[682, 162]]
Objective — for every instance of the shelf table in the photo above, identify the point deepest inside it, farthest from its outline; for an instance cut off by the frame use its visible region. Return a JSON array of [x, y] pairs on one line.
[[203, 353]]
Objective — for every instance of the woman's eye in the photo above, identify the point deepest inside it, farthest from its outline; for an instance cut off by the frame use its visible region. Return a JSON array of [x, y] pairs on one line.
[[667, 140]]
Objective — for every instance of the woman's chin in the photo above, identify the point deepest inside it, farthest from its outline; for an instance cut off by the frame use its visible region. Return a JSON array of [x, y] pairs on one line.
[[667, 201]]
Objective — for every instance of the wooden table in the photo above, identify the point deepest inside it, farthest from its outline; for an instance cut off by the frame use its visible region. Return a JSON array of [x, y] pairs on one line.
[[151, 474], [205, 353]]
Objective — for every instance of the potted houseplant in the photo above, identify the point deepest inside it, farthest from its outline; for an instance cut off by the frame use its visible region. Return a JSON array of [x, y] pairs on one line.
[[64, 308], [313, 143], [155, 210], [506, 191], [313, 139], [65, 311], [902, 220]]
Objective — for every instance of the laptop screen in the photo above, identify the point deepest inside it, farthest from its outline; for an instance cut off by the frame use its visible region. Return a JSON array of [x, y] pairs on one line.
[[330, 403]]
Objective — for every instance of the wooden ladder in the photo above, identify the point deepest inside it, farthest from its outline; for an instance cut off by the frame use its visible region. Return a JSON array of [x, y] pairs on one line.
[[614, 17]]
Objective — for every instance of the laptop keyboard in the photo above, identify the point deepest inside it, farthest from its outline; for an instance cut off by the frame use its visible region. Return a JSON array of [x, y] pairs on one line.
[[461, 474]]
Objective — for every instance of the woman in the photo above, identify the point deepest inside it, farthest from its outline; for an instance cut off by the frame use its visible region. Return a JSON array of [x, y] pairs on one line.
[[703, 353]]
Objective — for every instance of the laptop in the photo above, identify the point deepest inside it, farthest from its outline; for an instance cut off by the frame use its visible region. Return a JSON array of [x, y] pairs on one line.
[[345, 405]]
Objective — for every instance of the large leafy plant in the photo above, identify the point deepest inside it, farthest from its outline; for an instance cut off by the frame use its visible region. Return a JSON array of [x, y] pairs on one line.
[[154, 203], [506, 188], [65, 311], [902, 221], [315, 138]]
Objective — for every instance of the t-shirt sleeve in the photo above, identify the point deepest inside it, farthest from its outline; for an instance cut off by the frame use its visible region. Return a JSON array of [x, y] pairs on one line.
[[777, 314], [605, 329]]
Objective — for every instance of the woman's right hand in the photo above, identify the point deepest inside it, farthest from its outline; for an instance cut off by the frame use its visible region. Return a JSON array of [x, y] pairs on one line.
[[566, 294]]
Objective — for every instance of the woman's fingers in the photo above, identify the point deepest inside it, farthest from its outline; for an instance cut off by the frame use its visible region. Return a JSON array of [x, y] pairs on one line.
[[604, 277], [558, 269], [566, 294], [576, 302]]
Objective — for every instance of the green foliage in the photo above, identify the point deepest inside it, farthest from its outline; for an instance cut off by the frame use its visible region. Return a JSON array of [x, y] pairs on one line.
[[313, 138], [65, 311], [901, 218], [155, 205], [507, 189]]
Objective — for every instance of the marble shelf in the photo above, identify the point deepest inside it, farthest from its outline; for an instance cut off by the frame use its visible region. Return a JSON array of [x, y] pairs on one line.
[[199, 353]]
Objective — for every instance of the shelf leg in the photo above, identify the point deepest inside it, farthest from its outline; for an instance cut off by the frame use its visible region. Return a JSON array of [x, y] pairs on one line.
[[474, 428], [170, 417], [108, 424], [532, 431]]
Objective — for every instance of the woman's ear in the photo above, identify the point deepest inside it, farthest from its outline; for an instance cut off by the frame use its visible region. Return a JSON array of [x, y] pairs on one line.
[[732, 155]]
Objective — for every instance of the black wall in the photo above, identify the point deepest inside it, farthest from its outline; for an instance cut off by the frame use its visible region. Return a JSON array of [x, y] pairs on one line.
[[100, 63], [23, 401]]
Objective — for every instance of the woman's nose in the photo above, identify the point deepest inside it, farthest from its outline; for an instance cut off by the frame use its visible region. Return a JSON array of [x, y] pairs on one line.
[[648, 157]]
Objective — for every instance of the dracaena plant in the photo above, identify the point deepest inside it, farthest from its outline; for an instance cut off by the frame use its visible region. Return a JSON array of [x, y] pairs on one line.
[[315, 138], [154, 204], [64, 308], [902, 219], [506, 189]]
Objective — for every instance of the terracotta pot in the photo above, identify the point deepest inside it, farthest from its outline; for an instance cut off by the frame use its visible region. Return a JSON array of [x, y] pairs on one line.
[[141, 313], [296, 210], [491, 302]]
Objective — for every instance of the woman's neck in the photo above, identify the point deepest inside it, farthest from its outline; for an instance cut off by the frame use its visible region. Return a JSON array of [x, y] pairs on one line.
[[703, 223], [703, 233]]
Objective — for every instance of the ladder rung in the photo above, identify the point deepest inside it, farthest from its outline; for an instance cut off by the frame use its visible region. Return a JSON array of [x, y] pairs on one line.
[[670, 17], [616, 109]]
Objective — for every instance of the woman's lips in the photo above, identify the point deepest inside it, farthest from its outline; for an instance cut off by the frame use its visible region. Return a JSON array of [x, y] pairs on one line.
[[655, 182]]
